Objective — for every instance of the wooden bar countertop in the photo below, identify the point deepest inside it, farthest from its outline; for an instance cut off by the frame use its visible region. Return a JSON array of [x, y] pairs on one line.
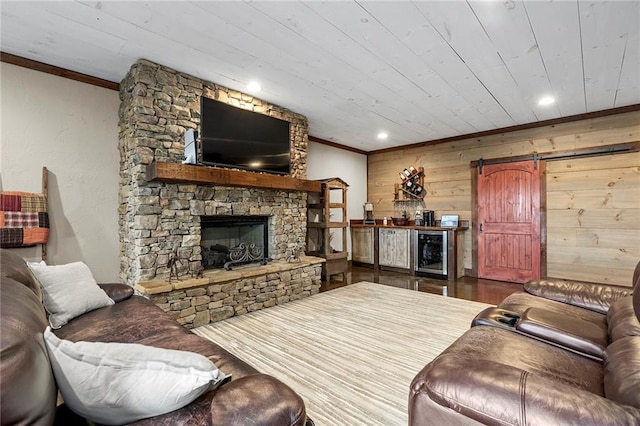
[[358, 223]]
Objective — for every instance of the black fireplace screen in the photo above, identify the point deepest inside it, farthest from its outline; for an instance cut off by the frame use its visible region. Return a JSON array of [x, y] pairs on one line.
[[233, 240]]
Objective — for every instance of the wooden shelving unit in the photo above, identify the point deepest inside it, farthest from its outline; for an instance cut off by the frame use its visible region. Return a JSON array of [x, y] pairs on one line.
[[327, 214]]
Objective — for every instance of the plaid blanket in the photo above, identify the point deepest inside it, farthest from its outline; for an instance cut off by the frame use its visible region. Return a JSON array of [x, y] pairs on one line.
[[24, 219]]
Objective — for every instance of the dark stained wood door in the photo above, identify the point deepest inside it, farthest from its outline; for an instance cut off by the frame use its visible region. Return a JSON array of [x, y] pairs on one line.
[[509, 221]]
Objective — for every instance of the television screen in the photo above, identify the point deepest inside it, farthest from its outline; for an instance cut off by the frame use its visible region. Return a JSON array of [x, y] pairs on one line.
[[234, 137]]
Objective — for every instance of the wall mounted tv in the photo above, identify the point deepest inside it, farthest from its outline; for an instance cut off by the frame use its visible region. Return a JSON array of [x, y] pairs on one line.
[[234, 137]]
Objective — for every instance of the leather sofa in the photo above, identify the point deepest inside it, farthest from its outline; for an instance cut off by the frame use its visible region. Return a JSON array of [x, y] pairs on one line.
[[560, 352], [29, 391]]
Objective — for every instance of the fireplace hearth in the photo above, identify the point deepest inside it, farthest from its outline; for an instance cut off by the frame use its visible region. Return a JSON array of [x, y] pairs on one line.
[[234, 240]]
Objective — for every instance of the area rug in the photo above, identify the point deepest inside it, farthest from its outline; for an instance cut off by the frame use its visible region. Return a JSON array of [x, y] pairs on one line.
[[352, 352]]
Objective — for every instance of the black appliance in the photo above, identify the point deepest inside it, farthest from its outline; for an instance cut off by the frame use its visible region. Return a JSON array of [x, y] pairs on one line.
[[235, 137], [428, 218], [430, 252]]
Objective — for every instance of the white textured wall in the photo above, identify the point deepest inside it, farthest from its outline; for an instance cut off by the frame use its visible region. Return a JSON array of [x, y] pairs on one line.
[[72, 129], [324, 161]]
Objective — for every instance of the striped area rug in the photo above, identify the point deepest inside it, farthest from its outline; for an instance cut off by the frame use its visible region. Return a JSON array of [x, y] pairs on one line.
[[352, 352]]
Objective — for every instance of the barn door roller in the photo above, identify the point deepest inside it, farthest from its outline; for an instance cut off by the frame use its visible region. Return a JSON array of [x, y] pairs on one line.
[[534, 157], [563, 155]]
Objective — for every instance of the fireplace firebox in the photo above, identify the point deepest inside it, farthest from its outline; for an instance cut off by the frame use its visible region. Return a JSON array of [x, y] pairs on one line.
[[234, 240]]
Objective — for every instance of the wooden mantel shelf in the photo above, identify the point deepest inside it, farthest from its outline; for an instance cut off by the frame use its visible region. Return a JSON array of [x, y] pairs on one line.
[[160, 171]]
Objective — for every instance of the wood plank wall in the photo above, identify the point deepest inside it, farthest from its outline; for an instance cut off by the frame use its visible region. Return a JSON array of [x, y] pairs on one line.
[[593, 203]]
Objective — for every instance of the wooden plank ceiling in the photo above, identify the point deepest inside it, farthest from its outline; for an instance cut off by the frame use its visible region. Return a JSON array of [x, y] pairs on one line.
[[417, 70]]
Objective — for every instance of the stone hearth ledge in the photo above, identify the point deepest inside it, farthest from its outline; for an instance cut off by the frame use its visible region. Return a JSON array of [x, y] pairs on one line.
[[221, 294], [219, 276]]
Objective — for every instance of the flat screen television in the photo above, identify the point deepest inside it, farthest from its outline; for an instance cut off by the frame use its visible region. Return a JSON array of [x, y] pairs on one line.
[[238, 138]]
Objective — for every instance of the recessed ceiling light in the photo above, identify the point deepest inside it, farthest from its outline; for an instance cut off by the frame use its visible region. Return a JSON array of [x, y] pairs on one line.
[[254, 86], [546, 100], [383, 135]]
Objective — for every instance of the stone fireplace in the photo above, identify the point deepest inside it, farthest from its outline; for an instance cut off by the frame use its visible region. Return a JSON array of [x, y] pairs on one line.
[[229, 241], [161, 223]]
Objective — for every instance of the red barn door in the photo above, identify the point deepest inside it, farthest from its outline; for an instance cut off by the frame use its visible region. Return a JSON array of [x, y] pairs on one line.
[[509, 221]]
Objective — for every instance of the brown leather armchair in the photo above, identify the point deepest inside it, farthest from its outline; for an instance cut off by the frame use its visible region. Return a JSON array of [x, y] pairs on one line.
[[497, 374]]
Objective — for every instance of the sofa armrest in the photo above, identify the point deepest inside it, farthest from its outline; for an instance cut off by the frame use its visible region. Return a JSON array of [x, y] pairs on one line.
[[117, 292], [258, 399], [496, 394], [595, 297]]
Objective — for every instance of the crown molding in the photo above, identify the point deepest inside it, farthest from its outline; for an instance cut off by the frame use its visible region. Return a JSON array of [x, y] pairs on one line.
[[60, 72]]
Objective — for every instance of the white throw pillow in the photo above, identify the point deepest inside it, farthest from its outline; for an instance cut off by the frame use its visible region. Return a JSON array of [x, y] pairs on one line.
[[68, 291], [117, 383]]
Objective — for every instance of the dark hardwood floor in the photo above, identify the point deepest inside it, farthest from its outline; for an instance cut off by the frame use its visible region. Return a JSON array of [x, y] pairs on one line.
[[479, 290]]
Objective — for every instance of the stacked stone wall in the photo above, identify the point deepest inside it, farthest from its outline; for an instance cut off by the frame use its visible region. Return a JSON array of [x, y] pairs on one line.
[[194, 307], [160, 223]]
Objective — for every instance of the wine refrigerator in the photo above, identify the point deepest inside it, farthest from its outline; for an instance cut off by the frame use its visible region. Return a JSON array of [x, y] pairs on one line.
[[430, 251]]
